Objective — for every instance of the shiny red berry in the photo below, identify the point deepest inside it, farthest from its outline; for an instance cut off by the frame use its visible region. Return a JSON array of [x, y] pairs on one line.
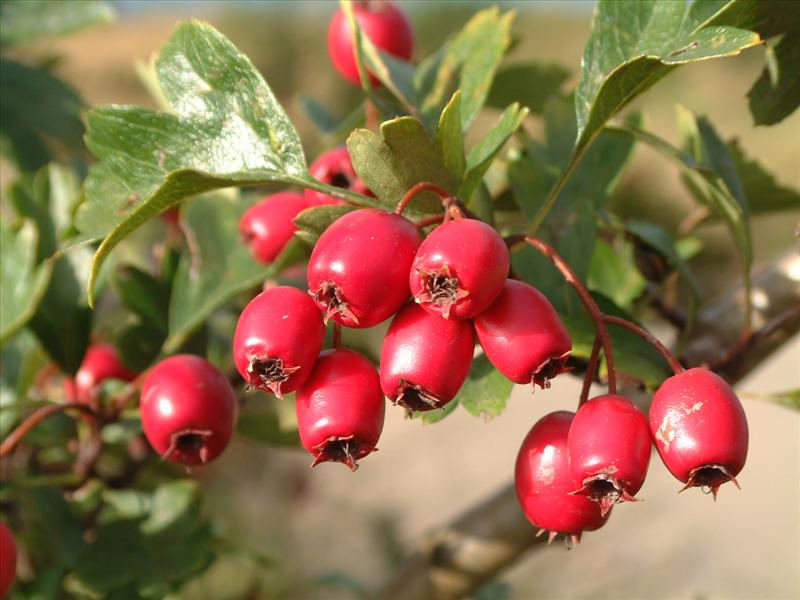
[[543, 482], [425, 359], [523, 336], [335, 168], [609, 450], [8, 559], [699, 429], [277, 339], [267, 226], [460, 269], [100, 363], [340, 409], [383, 23], [358, 270], [188, 409]]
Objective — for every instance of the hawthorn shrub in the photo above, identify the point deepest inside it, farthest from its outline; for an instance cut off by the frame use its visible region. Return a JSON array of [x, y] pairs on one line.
[[120, 349]]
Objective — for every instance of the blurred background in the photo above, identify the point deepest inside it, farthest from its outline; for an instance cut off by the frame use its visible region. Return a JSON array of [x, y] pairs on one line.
[[346, 529]]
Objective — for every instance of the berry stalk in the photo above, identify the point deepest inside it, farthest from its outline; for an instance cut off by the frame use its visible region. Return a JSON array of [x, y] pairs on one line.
[[583, 293], [649, 337], [591, 367], [423, 186], [36, 417]]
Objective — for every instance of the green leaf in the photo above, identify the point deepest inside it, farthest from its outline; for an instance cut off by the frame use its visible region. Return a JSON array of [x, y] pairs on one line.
[[20, 361], [139, 344], [28, 20], [486, 390], [260, 421], [660, 240], [174, 505], [221, 268], [143, 294], [633, 45], [319, 114], [473, 57], [311, 222], [401, 157], [613, 273], [530, 84], [763, 192], [227, 130], [37, 106], [450, 138], [776, 93], [789, 399], [434, 416], [481, 156], [22, 282], [51, 526]]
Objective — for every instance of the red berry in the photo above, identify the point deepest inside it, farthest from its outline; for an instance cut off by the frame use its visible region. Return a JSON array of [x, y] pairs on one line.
[[188, 409], [8, 559], [425, 359], [172, 216], [335, 168], [459, 269], [700, 429], [523, 336], [358, 271], [609, 450], [340, 408], [277, 339], [101, 362], [383, 23], [266, 227], [543, 482]]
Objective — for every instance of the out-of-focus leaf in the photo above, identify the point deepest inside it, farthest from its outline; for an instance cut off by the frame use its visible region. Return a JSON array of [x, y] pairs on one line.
[[434, 416], [50, 525], [319, 114], [790, 399], [221, 268], [470, 61], [143, 294], [29, 20], [402, 156], [530, 84], [486, 390], [764, 193], [657, 238], [633, 45], [481, 156], [259, 421], [227, 130], [776, 93], [36, 106], [23, 283], [139, 344], [450, 138], [313, 221], [20, 361], [613, 273]]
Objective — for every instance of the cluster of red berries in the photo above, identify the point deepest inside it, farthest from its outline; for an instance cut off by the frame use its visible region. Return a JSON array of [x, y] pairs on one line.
[[572, 467]]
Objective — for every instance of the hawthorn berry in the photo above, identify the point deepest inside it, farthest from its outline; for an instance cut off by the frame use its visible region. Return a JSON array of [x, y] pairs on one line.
[[100, 362], [188, 409], [267, 226], [358, 270], [523, 336], [8, 559], [335, 168], [277, 339], [544, 485], [340, 408], [699, 429], [609, 450], [460, 269], [383, 23], [425, 359]]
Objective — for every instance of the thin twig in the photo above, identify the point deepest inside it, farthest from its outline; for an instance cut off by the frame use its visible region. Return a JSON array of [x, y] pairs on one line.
[[673, 362], [583, 294], [591, 368], [36, 417], [424, 186]]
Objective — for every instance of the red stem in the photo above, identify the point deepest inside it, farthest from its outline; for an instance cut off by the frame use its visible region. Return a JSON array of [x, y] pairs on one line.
[[36, 417], [585, 296], [655, 342], [425, 186], [337, 335], [591, 368], [432, 220]]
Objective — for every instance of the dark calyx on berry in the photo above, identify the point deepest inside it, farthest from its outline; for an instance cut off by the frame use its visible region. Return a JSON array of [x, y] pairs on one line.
[[549, 369], [414, 398], [440, 288], [190, 445], [329, 295], [346, 450], [604, 489], [269, 373], [709, 478]]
